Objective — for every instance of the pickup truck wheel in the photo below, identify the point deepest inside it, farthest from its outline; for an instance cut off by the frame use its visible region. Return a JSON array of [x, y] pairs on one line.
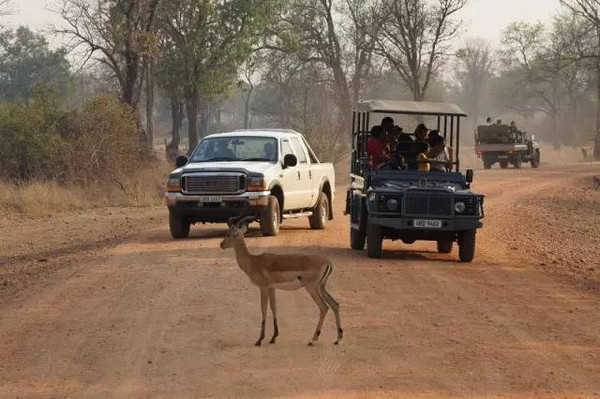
[[444, 247], [466, 245], [504, 164], [374, 241], [357, 239], [320, 214], [270, 217], [179, 226]]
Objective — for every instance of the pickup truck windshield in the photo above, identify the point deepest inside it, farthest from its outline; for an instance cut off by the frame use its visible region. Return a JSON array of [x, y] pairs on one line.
[[242, 148]]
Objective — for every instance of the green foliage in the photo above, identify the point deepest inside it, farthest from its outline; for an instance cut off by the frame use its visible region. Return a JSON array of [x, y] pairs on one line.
[[26, 61], [41, 141]]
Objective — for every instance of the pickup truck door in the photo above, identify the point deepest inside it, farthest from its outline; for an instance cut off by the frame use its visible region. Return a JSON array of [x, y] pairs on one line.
[[304, 172], [291, 179]]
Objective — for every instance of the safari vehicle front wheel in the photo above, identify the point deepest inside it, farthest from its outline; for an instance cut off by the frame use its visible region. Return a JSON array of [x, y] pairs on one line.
[[518, 161], [270, 217], [374, 241], [179, 225], [466, 245], [535, 162]]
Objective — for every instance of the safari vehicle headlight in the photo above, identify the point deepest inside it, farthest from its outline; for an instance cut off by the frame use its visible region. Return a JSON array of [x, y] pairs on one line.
[[459, 207], [257, 184], [173, 184]]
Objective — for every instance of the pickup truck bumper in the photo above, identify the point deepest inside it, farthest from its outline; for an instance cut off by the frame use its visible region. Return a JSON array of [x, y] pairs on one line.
[[246, 204]]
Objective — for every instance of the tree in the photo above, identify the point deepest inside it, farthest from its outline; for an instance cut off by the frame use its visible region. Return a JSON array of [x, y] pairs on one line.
[[207, 43], [414, 36], [587, 45], [116, 33], [475, 69], [27, 61]]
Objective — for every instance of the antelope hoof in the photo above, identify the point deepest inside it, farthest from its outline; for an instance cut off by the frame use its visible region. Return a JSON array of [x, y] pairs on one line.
[[272, 341], [258, 343], [310, 343]]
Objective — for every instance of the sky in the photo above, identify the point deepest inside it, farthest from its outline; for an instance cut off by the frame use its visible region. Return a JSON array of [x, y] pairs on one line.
[[483, 18]]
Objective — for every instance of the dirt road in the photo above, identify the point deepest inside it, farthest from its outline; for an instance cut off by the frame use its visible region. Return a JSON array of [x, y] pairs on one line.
[[153, 317]]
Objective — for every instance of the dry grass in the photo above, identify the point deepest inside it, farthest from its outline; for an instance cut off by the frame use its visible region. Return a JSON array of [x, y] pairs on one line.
[[144, 188]]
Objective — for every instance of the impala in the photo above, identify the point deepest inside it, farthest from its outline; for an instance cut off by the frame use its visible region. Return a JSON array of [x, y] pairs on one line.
[[288, 272]]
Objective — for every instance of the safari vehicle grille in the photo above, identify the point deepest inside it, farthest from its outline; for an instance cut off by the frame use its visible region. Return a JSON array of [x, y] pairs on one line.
[[228, 184], [428, 204]]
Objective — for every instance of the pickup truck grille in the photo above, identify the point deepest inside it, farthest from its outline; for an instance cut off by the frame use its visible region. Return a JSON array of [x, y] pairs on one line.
[[428, 204], [228, 184]]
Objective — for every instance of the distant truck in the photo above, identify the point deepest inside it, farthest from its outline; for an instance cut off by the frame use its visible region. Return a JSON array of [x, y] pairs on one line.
[[506, 145], [272, 174]]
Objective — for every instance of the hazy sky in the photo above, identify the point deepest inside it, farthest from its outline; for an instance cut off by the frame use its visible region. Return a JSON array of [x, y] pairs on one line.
[[483, 18]]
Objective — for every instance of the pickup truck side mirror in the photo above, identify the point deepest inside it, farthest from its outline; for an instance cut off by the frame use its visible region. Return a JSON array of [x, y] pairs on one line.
[[289, 161], [180, 161], [469, 175]]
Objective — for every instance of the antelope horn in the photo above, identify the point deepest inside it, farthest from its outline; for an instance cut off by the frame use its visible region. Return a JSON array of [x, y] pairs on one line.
[[246, 221], [234, 221]]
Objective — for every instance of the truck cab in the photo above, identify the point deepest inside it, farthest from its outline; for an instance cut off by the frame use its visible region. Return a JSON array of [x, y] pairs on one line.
[[271, 174], [402, 203]]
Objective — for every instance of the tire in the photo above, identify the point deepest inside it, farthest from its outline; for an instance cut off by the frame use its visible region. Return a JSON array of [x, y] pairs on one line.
[[374, 241], [487, 165], [518, 161], [504, 164], [270, 218], [357, 239], [466, 246], [179, 226], [320, 214], [445, 247], [535, 162]]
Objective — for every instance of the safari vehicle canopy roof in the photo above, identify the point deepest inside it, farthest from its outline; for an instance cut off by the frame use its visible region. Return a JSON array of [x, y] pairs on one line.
[[409, 108]]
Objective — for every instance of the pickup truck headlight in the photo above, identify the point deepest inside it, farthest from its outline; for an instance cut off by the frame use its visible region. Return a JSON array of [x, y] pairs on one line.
[[257, 184], [173, 185]]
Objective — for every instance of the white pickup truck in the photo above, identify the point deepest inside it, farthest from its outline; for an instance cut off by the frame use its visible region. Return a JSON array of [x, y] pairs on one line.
[[272, 174]]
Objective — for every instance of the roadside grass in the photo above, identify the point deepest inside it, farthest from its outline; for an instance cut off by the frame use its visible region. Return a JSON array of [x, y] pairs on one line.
[[143, 188]]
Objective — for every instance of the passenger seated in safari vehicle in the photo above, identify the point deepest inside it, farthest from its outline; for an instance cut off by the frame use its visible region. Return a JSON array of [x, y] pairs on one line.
[[409, 187], [389, 148]]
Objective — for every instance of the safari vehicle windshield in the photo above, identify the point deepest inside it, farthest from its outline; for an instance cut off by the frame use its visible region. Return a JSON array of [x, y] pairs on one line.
[[236, 148]]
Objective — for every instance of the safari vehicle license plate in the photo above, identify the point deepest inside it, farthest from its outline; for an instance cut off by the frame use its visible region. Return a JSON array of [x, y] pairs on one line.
[[210, 198], [428, 224]]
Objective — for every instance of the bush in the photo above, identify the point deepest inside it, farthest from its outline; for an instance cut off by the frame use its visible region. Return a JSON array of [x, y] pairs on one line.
[[40, 141]]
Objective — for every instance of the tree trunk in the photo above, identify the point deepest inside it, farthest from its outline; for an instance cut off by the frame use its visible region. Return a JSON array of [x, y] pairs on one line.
[[191, 104], [204, 119], [149, 138], [597, 134], [177, 119], [247, 122]]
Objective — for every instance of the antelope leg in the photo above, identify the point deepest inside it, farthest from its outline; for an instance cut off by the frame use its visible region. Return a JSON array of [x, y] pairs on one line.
[[264, 297], [323, 308], [274, 312], [335, 306]]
